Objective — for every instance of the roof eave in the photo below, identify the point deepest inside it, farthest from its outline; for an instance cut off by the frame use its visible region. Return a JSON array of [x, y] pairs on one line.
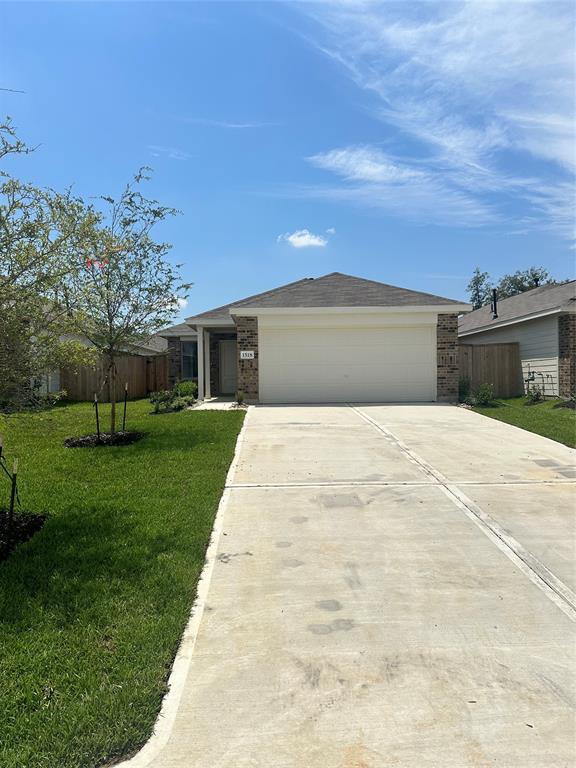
[[515, 320], [429, 308]]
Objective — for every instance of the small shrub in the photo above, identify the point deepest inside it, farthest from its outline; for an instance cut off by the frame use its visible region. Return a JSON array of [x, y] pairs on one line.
[[484, 395], [463, 390], [161, 399], [239, 397], [179, 403], [534, 395], [186, 388], [55, 397]]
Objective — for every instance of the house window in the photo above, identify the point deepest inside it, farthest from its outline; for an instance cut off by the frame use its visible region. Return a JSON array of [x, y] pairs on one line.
[[189, 360]]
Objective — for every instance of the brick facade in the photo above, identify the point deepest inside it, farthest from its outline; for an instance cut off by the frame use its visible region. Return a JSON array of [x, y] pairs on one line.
[[567, 355], [174, 361], [247, 339], [214, 366], [447, 374]]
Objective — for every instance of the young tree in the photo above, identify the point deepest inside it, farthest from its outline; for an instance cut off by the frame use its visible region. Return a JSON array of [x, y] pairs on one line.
[[523, 280], [40, 230], [479, 289], [124, 290]]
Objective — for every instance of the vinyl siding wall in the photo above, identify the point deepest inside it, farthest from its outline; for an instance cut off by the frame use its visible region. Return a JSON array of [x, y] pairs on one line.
[[538, 341]]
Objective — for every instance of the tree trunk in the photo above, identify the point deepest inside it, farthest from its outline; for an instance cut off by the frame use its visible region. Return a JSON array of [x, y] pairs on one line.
[[112, 390]]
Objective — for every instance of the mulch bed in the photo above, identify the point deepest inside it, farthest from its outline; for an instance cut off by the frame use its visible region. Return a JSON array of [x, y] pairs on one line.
[[566, 404], [105, 438], [24, 526]]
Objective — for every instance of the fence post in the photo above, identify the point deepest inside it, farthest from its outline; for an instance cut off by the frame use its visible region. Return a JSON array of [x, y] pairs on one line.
[[12, 500], [97, 417], [125, 399]]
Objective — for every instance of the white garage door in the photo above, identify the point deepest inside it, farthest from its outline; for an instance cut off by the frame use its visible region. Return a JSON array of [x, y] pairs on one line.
[[323, 365]]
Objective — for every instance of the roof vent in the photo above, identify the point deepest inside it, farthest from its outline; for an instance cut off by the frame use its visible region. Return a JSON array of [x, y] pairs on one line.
[[494, 304]]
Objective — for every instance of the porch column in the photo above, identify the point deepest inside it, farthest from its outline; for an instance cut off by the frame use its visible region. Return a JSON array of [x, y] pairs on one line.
[[207, 389], [200, 343]]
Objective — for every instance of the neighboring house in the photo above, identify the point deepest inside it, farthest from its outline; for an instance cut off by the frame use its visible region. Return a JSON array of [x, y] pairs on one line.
[[334, 338], [543, 322]]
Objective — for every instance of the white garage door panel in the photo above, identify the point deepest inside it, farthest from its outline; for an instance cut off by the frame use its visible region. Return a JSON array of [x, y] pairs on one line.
[[394, 364]]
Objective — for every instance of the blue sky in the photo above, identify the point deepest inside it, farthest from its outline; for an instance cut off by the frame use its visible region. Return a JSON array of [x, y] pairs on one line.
[[405, 142]]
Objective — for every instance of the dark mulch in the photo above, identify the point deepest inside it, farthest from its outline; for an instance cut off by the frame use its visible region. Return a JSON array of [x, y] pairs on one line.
[[24, 526], [566, 404], [105, 438]]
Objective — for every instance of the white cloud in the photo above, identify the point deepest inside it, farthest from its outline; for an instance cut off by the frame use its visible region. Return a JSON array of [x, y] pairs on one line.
[[303, 238], [170, 152], [363, 164], [181, 303], [480, 93]]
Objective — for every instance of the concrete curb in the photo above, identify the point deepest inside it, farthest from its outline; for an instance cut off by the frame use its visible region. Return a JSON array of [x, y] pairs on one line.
[[176, 682]]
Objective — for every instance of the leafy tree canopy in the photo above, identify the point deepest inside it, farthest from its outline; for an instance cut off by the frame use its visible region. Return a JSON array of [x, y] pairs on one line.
[[518, 282], [480, 286], [40, 229], [123, 289]]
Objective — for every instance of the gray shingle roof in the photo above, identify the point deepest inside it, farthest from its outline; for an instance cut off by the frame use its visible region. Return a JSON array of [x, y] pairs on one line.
[[182, 329], [333, 290], [542, 299]]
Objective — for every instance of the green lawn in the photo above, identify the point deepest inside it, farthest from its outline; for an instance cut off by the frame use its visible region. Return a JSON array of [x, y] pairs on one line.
[[93, 607], [556, 423]]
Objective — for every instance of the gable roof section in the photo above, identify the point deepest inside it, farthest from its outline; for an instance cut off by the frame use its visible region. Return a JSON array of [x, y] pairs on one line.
[[182, 329], [333, 290], [542, 300]]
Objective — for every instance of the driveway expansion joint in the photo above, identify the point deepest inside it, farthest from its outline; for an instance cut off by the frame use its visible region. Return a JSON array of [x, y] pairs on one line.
[[558, 592]]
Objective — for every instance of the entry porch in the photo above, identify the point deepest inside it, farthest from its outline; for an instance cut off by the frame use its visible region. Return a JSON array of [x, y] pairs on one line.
[[217, 362]]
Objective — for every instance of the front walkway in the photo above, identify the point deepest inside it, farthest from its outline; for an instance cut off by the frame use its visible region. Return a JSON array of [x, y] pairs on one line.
[[390, 586]]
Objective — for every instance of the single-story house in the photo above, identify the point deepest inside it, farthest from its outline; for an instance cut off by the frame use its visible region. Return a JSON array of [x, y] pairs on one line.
[[335, 338], [543, 322]]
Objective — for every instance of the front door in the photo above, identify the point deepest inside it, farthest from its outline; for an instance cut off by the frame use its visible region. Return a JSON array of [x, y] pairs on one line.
[[228, 367]]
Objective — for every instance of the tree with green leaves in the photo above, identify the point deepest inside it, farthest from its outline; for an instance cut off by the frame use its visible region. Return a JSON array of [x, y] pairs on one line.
[[479, 289], [523, 280], [124, 290], [40, 230]]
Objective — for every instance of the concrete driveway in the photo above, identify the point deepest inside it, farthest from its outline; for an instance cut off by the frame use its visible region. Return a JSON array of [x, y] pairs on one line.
[[390, 586]]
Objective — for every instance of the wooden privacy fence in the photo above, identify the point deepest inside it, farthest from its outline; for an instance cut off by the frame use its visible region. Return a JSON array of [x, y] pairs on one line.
[[496, 364], [143, 375]]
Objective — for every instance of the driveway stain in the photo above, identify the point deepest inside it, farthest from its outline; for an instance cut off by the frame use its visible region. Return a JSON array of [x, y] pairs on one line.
[[226, 557], [329, 605], [284, 544], [292, 563], [338, 625], [337, 500], [351, 576], [298, 519]]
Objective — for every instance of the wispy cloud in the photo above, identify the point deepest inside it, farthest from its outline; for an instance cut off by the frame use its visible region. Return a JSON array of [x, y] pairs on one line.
[[228, 124], [373, 179], [303, 238], [171, 153], [478, 93]]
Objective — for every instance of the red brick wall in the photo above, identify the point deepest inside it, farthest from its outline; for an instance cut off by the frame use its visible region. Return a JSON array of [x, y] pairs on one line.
[[174, 361], [247, 339], [447, 358], [566, 355]]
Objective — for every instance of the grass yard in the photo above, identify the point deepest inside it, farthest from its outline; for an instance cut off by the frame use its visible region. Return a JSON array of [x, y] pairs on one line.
[[93, 607], [557, 423]]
